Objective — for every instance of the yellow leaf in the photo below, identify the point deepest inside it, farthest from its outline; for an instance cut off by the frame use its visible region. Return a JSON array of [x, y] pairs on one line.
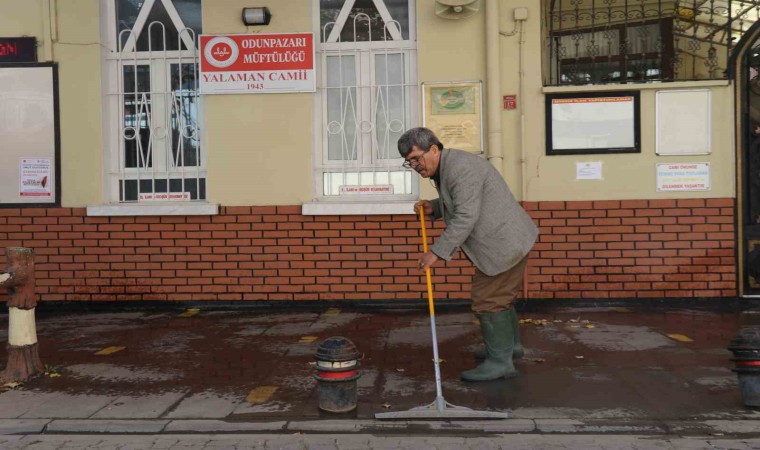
[[109, 350], [54, 375], [680, 338], [386, 405], [190, 312], [332, 312], [588, 326], [307, 339], [261, 394]]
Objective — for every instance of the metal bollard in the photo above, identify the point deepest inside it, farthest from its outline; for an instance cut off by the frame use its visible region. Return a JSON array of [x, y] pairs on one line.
[[23, 353], [337, 372], [746, 349]]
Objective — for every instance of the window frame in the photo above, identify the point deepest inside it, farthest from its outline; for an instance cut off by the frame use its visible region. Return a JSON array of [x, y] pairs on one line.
[[619, 60], [160, 63], [364, 52]]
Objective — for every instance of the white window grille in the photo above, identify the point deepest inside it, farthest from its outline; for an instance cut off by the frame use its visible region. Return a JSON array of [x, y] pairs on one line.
[[152, 107], [367, 99]]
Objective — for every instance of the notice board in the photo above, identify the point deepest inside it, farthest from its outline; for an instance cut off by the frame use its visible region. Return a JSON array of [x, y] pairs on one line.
[[29, 135], [684, 125], [593, 122]]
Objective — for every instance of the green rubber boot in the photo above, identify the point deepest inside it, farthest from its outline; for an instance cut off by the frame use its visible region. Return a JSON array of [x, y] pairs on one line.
[[518, 351], [499, 339]]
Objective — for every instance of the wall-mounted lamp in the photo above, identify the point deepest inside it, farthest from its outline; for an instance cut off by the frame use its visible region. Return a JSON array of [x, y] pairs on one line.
[[257, 16]]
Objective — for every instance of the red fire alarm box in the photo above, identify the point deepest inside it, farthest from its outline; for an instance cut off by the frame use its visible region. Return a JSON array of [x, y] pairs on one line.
[[510, 102]]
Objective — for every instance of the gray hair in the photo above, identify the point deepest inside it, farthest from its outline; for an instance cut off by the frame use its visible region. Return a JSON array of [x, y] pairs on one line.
[[422, 138]]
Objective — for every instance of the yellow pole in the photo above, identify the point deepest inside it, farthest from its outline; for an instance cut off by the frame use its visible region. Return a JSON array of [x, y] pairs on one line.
[[427, 271]]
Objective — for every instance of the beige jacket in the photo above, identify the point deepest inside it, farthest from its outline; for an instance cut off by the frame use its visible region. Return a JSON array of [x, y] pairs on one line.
[[481, 214]]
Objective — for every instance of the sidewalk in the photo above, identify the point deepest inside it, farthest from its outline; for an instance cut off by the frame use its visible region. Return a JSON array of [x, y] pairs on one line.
[[586, 370]]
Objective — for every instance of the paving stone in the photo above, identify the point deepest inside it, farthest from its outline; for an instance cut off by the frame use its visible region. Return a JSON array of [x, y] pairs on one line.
[[22, 426], [15, 403], [139, 407], [67, 406], [205, 405]]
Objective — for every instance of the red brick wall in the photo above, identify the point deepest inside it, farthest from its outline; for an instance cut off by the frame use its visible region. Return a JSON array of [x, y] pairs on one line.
[[634, 248], [603, 249]]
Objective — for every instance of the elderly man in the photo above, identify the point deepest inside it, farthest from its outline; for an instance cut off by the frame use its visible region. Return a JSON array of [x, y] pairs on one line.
[[483, 218]]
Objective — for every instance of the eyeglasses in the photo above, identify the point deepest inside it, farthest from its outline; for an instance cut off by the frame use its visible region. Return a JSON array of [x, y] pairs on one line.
[[409, 163]]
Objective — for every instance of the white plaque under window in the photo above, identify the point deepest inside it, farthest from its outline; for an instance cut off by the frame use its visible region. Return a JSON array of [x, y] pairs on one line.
[[165, 197], [683, 177], [588, 170], [384, 189]]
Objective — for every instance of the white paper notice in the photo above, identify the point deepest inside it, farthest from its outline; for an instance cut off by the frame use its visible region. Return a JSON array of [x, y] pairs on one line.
[[588, 170], [34, 178]]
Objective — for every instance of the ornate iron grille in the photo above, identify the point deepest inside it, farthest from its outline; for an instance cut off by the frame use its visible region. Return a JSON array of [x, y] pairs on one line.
[[639, 41]]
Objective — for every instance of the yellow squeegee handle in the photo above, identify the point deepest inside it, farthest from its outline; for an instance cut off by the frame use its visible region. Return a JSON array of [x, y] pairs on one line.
[[427, 271]]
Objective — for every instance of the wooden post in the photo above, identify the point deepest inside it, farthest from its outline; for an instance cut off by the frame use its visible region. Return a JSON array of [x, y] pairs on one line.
[[23, 354]]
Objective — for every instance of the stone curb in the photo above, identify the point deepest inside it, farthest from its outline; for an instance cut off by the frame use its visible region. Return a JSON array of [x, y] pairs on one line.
[[408, 427]]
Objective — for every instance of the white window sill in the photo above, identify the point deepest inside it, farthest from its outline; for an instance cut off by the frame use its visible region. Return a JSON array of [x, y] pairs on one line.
[[356, 208], [171, 209]]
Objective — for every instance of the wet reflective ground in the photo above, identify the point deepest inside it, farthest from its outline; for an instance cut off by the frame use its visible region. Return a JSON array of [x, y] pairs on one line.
[[580, 363]]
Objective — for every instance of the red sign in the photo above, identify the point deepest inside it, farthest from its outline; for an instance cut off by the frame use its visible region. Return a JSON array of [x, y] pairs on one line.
[[256, 63], [510, 102], [18, 49]]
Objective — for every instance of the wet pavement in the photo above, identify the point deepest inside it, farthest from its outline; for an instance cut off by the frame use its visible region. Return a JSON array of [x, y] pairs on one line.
[[657, 369]]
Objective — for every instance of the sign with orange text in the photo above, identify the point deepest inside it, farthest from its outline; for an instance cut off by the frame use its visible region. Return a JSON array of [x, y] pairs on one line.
[[257, 63]]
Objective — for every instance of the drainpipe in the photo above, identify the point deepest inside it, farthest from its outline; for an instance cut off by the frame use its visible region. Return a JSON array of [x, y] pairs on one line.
[[493, 85], [49, 11]]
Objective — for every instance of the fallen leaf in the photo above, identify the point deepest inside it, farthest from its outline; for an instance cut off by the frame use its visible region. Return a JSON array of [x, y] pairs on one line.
[[557, 321], [537, 360], [313, 363], [54, 375], [109, 351], [579, 357], [386, 405], [573, 320], [575, 326], [332, 312], [399, 370], [585, 321], [10, 385], [307, 339], [588, 326], [680, 338], [441, 361], [261, 394], [190, 312]]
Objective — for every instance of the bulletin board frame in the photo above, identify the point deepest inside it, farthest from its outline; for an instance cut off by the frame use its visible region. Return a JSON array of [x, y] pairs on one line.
[[55, 155], [597, 105], [456, 119]]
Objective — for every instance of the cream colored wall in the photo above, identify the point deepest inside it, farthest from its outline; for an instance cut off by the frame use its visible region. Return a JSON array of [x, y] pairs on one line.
[[75, 48], [626, 176], [260, 145], [448, 50], [78, 54]]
